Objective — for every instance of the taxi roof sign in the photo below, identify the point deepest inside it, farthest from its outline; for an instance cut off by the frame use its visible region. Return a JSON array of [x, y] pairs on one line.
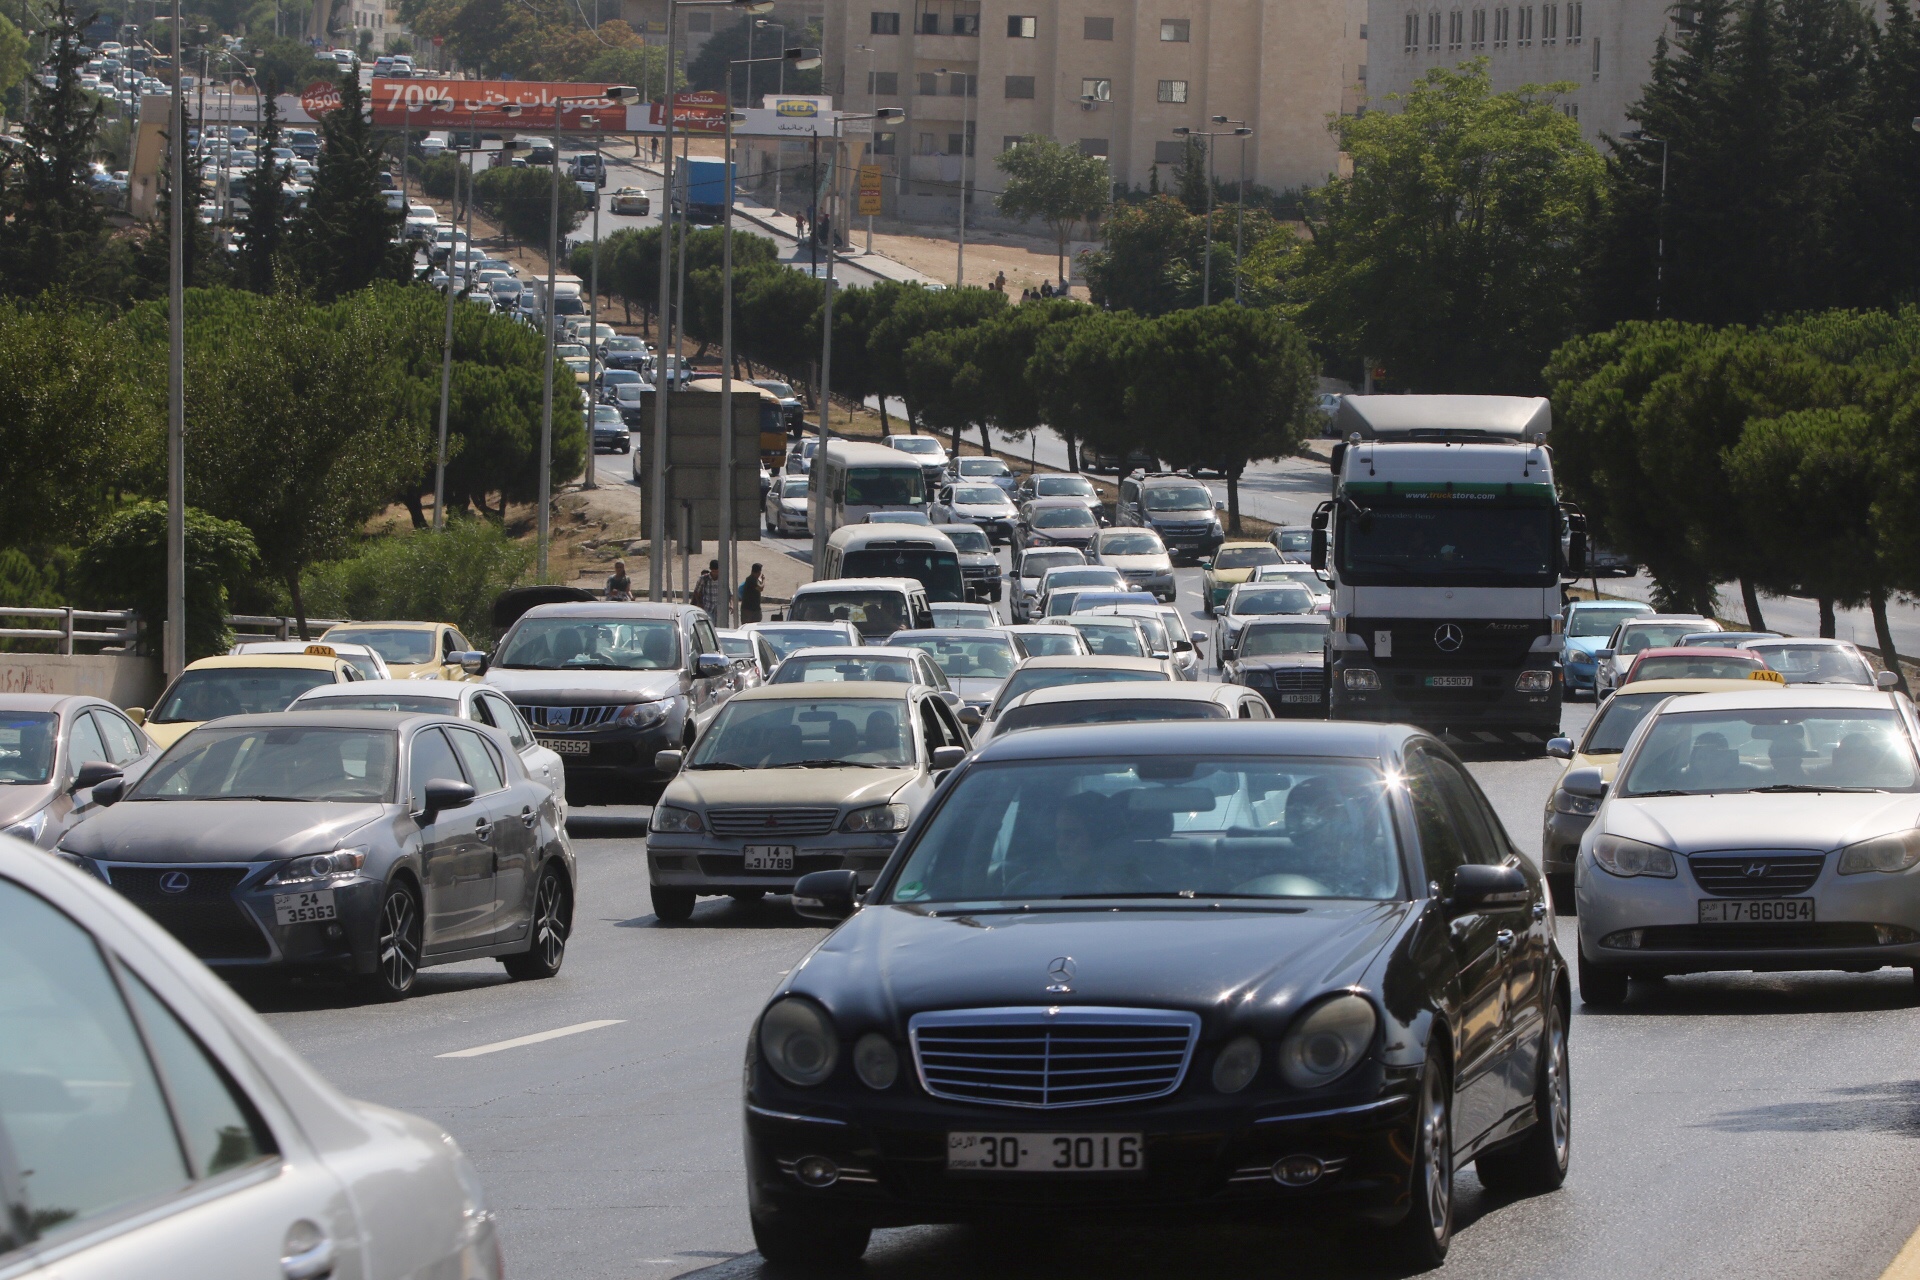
[[320, 651]]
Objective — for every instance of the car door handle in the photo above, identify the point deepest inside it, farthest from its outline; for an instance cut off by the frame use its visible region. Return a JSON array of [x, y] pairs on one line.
[[1539, 911], [315, 1263], [483, 829], [528, 817], [1504, 939]]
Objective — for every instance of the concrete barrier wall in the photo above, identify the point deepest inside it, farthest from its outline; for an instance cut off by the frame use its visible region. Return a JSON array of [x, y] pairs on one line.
[[123, 681]]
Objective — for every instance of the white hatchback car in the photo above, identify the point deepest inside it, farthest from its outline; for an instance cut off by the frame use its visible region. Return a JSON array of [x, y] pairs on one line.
[[153, 1125]]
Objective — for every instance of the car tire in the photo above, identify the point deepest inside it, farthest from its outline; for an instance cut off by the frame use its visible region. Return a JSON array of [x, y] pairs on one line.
[[1537, 1163], [1560, 885], [552, 924], [809, 1242], [397, 959], [672, 906], [1601, 988], [1420, 1240]]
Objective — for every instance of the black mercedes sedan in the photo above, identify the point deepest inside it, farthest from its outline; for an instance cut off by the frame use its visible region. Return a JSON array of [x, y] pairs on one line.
[[369, 842], [1241, 967]]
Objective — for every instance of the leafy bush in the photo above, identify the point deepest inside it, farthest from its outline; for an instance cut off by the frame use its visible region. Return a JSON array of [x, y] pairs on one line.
[[438, 175], [449, 576], [125, 567]]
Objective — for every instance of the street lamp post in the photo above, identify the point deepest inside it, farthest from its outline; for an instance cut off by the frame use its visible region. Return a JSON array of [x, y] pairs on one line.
[[966, 152], [593, 299], [1241, 131], [1660, 259], [778, 161], [1206, 278], [872, 105], [174, 638]]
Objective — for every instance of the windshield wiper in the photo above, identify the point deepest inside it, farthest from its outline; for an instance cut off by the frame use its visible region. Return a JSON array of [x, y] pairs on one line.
[[301, 799], [1179, 895], [1646, 795], [1782, 788], [718, 764], [836, 764]]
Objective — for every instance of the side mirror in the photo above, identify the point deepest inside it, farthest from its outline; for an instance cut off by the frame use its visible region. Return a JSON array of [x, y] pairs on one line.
[[471, 661], [137, 714], [1477, 887], [110, 790], [92, 774], [443, 794], [951, 698], [1197, 638], [1219, 505], [945, 758], [826, 895], [711, 665], [668, 761], [1560, 748], [1317, 550], [1206, 562], [1584, 782], [1576, 554], [971, 717], [1885, 680]]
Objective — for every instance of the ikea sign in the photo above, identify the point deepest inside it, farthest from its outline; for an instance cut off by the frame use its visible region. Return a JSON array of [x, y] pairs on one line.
[[803, 108]]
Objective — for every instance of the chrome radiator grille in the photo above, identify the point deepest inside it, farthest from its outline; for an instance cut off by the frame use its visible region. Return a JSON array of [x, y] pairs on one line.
[[1053, 1057]]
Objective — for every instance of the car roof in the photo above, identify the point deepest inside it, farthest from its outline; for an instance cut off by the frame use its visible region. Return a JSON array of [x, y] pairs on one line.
[[1232, 543], [831, 624], [343, 719], [1625, 606], [1201, 737], [1696, 684], [1694, 651], [859, 584], [45, 701], [609, 610], [289, 661], [1092, 662], [1132, 691], [880, 690], [1315, 618], [298, 646], [944, 633], [406, 624], [1838, 697], [445, 690], [965, 606], [1039, 628], [1708, 624], [876, 652], [1779, 642]]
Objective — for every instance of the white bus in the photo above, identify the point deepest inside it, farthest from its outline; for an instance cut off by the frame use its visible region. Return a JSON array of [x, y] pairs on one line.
[[896, 551], [863, 478]]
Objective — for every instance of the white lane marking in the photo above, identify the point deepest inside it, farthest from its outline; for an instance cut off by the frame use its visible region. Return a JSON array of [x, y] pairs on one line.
[[536, 1038]]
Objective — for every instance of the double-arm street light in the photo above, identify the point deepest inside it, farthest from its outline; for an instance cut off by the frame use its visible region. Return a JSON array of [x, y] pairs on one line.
[[1242, 132], [817, 516], [1206, 277], [966, 83]]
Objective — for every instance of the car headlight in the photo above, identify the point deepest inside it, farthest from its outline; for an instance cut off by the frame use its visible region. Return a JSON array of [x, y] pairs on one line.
[[29, 828], [1578, 806], [1891, 853], [639, 715], [321, 866], [1625, 857], [1237, 1064], [1361, 680], [876, 1061], [797, 1041], [1326, 1043], [878, 817], [1533, 682], [675, 820]]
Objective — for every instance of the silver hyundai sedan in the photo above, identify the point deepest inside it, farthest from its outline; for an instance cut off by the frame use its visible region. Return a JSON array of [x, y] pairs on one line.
[[1766, 830]]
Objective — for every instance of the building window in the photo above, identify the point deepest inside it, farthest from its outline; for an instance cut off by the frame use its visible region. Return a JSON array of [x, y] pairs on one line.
[[1502, 26], [1477, 29], [1549, 23], [1361, 74], [1433, 31], [883, 24], [966, 24], [929, 84], [1573, 22], [1019, 86], [1596, 57], [1169, 152], [1410, 36], [1173, 91], [961, 85], [1097, 28], [926, 149], [1094, 147], [702, 22], [883, 84], [1523, 34], [929, 24], [1099, 89], [1011, 140], [1571, 110], [1456, 28], [884, 143], [956, 141], [1022, 28], [1176, 30]]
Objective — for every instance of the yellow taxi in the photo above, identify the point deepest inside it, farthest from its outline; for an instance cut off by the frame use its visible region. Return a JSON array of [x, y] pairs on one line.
[[1230, 566], [411, 650], [1568, 815], [238, 685]]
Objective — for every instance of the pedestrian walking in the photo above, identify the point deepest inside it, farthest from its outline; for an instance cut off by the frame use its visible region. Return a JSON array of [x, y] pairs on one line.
[[1046, 288], [750, 592], [1000, 282], [799, 226], [619, 585], [706, 592]]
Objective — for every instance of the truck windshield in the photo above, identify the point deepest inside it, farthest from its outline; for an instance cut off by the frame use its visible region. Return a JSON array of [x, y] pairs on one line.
[[1484, 546], [937, 571]]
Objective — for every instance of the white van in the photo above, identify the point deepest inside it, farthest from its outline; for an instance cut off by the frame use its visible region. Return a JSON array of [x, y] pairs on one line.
[[878, 607], [896, 551], [863, 478]]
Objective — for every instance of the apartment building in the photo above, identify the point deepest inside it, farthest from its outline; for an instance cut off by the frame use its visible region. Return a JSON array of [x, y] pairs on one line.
[[1602, 47], [1113, 77]]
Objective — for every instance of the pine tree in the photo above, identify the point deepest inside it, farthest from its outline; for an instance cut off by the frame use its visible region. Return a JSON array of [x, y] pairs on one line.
[[345, 239], [51, 229], [1878, 210], [266, 201]]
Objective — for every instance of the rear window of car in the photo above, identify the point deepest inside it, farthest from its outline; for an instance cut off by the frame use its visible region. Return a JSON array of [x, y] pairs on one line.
[[236, 691], [1118, 711], [1029, 679], [1674, 667], [1816, 664]]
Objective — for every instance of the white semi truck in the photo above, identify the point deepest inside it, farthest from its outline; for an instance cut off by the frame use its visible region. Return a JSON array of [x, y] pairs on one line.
[[1446, 543]]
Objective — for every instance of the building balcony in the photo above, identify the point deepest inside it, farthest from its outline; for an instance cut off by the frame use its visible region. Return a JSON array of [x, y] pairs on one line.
[[934, 169]]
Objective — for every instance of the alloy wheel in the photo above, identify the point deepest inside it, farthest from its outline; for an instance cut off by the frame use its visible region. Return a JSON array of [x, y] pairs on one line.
[[1559, 1088], [1437, 1135], [550, 921], [399, 943]]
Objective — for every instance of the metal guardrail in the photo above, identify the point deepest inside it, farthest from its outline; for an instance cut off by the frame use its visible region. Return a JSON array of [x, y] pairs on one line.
[[67, 633], [251, 626]]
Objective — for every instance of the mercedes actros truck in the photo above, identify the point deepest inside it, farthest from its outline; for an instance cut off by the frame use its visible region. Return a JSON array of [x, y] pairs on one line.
[[1446, 543]]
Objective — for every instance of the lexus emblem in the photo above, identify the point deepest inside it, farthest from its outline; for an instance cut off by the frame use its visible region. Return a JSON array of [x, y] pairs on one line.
[[1060, 975], [1447, 637], [175, 882]]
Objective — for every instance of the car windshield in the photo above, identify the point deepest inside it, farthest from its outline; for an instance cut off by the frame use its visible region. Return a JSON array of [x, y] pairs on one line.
[[1675, 667], [1278, 639], [1296, 541], [1046, 644], [624, 342], [407, 648], [876, 613], [968, 539], [983, 467], [1063, 487], [899, 517], [1287, 599], [1111, 637], [1027, 679], [380, 702], [27, 741], [1036, 563], [1130, 542], [1063, 518], [792, 734], [1464, 545], [806, 668], [984, 495], [988, 658], [1090, 576], [949, 616], [1173, 827], [236, 691], [589, 644], [1114, 711], [1177, 497], [1801, 748], [1816, 664], [900, 486], [1616, 720], [1246, 557], [787, 640], [605, 415], [780, 389], [274, 763], [793, 487], [916, 444], [1587, 623], [1654, 635]]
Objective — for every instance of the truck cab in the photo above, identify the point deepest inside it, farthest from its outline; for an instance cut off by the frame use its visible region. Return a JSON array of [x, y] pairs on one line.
[[1445, 544]]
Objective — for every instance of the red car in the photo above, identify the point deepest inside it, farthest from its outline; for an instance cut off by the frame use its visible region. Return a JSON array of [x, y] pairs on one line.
[[1698, 662]]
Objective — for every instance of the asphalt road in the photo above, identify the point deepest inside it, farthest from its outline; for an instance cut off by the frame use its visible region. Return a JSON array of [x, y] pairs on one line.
[[1740, 1125]]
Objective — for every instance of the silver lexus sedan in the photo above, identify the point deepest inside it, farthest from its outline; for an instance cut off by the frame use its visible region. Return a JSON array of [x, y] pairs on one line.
[[1771, 830]]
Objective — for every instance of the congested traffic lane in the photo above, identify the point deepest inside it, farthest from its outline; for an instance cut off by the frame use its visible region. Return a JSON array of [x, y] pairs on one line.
[[1758, 1126]]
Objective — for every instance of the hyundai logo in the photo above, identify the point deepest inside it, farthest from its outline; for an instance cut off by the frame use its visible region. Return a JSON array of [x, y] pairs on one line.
[[175, 882], [1755, 870], [1447, 637], [1060, 975]]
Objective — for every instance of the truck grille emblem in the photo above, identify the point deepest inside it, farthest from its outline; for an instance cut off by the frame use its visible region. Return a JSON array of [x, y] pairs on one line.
[[1447, 637]]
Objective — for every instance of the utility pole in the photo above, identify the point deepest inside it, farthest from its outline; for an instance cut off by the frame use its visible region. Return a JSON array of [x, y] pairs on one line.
[[174, 638], [593, 299], [965, 83]]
